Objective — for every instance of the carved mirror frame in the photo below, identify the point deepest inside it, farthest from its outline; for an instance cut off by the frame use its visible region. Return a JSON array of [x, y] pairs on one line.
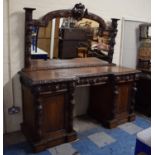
[[78, 12]]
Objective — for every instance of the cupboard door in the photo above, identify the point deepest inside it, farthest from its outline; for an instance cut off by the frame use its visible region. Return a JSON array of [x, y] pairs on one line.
[[123, 100], [53, 113]]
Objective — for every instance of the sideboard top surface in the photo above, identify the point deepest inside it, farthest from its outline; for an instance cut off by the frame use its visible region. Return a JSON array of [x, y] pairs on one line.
[[66, 63], [61, 75]]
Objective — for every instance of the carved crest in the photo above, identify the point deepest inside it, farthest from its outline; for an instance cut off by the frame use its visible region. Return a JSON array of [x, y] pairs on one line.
[[79, 11]]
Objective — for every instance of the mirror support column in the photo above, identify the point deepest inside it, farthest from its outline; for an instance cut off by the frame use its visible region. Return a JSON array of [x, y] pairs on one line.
[[113, 34], [28, 34]]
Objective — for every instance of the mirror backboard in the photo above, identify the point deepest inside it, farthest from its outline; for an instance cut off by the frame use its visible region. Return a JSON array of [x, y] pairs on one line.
[[65, 34]]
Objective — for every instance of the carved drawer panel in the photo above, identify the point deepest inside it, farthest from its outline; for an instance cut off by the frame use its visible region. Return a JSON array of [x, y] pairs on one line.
[[92, 81], [50, 88]]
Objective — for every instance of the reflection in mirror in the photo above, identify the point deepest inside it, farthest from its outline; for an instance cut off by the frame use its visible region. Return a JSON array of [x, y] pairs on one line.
[[41, 37], [66, 38], [75, 37]]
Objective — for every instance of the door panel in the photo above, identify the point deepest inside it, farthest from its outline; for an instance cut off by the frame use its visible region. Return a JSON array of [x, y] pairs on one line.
[[53, 113]]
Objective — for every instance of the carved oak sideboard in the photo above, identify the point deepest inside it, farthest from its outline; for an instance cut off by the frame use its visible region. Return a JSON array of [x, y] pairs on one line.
[[48, 99], [48, 86]]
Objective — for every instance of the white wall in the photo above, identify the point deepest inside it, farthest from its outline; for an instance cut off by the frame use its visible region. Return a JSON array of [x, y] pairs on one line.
[[130, 43], [14, 40]]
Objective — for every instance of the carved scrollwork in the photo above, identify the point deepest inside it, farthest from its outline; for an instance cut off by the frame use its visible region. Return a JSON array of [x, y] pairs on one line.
[[79, 11], [92, 80], [49, 88], [126, 78]]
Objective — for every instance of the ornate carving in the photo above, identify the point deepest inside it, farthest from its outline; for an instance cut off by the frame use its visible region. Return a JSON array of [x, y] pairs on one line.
[[103, 79], [92, 80], [71, 102], [28, 33], [126, 78], [113, 33], [79, 11], [114, 83], [39, 90], [132, 98], [50, 88], [39, 116]]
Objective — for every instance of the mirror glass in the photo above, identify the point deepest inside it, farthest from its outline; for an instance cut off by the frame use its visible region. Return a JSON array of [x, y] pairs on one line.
[[66, 38]]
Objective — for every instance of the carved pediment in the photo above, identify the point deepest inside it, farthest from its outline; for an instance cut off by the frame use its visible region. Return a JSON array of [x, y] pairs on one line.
[[79, 11]]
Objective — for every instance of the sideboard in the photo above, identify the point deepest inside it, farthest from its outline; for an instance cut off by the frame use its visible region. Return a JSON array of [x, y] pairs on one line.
[[48, 86], [48, 98]]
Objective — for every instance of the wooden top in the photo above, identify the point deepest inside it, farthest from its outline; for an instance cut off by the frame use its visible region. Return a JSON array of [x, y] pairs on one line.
[[62, 75], [67, 63]]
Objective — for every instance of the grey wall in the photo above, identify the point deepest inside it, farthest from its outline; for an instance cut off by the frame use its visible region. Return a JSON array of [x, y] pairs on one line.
[[130, 43]]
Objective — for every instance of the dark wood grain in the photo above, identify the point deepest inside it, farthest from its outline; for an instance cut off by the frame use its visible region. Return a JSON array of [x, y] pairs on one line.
[[52, 97], [28, 35], [78, 12], [50, 76], [48, 86], [62, 64]]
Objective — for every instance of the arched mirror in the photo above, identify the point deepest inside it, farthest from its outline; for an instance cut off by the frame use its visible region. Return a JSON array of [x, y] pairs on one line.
[[67, 34], [65, 38]]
